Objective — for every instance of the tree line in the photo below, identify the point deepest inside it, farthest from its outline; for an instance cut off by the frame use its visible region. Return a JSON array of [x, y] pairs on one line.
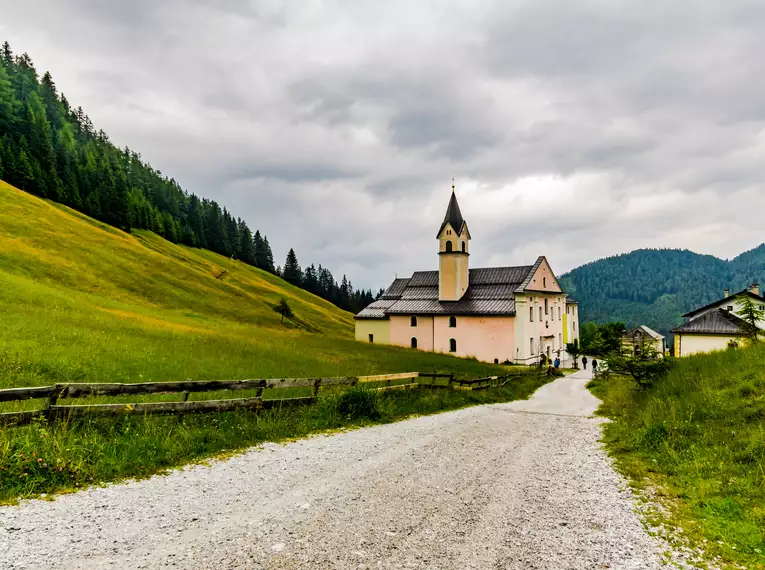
[[53, 150]]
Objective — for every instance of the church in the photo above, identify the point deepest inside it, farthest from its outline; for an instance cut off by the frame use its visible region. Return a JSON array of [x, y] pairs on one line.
[[495, 314]]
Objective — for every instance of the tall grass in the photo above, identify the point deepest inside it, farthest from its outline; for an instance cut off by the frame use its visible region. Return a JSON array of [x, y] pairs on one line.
[[43, 458], [699, 436]]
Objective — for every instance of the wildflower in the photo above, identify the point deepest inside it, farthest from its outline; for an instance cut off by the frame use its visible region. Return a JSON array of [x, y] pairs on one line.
[[39, 460], [45, 465]]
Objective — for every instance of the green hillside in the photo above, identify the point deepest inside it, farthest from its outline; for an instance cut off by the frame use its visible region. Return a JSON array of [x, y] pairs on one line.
[[81, 300], [655, 287], [697, 438]]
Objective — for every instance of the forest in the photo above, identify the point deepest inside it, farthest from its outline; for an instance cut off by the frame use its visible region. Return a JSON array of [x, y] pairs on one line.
[[51, 149], [655, 287]]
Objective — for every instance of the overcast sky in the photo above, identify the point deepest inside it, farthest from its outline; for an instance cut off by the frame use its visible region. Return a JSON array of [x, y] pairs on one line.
[[574, 129]]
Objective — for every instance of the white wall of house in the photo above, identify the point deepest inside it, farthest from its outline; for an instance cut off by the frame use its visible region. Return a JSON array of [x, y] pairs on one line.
[[690, 344], [539, 331]]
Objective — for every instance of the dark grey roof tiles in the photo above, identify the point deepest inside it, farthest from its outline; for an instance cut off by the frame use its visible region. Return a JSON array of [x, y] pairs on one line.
[[377, 309], [396, 289], [491, 292], [714, 322], [461, 307]]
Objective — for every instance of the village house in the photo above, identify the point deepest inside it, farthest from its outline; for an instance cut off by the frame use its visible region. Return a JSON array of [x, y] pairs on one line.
[[715, 326], [495, 314], [642, 339]]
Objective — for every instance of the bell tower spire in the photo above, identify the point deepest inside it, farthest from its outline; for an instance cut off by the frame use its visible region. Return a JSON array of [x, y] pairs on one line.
[[453, 253]]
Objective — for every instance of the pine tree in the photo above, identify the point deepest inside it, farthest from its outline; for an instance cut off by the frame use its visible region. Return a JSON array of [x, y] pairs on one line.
[[751, 315], [291, 272], [269, 256], [8, 102], [247, 248]]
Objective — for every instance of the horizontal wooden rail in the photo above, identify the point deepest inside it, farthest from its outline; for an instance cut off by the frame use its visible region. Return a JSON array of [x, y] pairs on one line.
[[53, 410]]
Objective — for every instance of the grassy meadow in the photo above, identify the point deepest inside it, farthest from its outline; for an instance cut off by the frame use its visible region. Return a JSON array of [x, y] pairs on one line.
[[83, 302], [698, 439]]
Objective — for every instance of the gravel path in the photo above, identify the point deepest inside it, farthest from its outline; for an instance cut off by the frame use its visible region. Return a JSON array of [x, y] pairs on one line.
[[519, 485]]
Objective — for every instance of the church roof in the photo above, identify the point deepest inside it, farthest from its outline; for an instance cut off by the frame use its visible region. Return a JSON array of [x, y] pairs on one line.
[[491, 292], [453, 216], [719, 321]]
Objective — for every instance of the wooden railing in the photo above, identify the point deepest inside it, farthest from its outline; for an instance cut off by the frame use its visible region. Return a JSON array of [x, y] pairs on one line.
[[52, 409]]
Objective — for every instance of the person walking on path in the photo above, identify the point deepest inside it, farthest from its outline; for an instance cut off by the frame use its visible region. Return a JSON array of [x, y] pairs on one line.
[[584, 362], [557, 363], [594, 367]]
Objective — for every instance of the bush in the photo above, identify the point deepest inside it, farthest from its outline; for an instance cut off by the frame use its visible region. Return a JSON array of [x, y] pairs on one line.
[[358, 403]]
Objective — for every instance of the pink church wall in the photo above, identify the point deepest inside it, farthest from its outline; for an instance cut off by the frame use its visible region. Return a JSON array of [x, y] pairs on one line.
[[486, 338], [401, 332], [544, 280]]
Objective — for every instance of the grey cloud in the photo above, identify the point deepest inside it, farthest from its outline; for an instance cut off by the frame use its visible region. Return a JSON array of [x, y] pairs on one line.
[[322, 125]]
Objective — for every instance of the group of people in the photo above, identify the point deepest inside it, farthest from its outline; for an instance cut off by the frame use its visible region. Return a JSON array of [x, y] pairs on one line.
[[555, 364]]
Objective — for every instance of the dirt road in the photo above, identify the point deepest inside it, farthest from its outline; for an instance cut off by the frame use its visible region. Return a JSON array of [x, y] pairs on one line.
[[520, 485]]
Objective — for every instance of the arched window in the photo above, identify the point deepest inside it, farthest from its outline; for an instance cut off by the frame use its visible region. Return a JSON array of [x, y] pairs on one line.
[[414, 342], [452, 322], [449, 245], [413, 321], [452, 345], [544, 282], [463, 246], [547, 307], [496, 361]]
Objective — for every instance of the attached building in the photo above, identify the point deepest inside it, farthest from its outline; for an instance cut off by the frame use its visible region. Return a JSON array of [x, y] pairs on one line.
[[496, 314], [642, 338]]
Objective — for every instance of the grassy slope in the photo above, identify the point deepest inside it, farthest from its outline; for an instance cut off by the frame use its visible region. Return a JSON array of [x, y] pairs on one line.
[[80, 301], [699, 437]]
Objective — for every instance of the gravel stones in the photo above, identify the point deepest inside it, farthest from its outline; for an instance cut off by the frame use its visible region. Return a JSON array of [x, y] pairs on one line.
[[500, 486]]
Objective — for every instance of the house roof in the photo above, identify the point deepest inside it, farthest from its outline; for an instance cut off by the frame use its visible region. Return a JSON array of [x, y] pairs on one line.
[[723, 301], [453, 216], [646, 330], [719, 321], [571, 301], [491, 291]]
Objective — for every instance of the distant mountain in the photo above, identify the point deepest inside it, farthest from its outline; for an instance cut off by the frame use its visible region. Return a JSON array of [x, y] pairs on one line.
[[655, 287]]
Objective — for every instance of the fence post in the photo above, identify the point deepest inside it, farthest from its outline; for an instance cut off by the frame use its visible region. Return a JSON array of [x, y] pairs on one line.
[[316, 385], [50, 401]]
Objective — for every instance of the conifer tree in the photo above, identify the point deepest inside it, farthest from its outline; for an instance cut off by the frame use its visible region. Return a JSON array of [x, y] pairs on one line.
[[291, 272], [247, 248], [269, 256]]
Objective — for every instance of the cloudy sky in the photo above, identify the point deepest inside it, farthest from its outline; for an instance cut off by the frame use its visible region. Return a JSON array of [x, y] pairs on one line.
[[574, 129]]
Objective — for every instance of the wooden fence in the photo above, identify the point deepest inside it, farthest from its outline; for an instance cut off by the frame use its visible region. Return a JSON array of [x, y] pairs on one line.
[[52, 409]]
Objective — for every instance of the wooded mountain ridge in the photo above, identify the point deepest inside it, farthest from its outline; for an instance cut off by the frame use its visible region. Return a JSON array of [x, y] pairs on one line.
[[51, 149], [655, 287]]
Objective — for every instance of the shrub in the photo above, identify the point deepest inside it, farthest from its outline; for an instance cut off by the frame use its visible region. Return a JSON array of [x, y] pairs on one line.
[[652, 435], [358, 403]]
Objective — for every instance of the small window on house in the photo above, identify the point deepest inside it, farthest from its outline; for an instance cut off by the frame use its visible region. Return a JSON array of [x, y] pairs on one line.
[[547, 307], [559, 315], [496, 361], [531, 314], [452, 322], [730, 308], [544, 281], [449, 245], [371, 338], [452, 345], [463, 246], [531, 346], [540, 314], [413, 321], [414, 342]]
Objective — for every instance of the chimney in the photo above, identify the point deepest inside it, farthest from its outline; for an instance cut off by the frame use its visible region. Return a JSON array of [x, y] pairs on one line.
[[727, 293], [755, 289]]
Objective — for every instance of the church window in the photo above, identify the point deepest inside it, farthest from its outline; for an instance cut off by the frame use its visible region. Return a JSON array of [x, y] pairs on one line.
[[463, 246], [449, 245], [531, 314], [371, 338], [452, 345], [452, 322], [496, 361], [547, 307], [531, 347], [413, 321], [414, 342], [559, 314], [540, 314], [544, 282]]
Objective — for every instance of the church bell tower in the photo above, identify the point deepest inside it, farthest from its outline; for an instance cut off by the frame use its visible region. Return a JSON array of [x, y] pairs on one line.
[[453, 253]]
